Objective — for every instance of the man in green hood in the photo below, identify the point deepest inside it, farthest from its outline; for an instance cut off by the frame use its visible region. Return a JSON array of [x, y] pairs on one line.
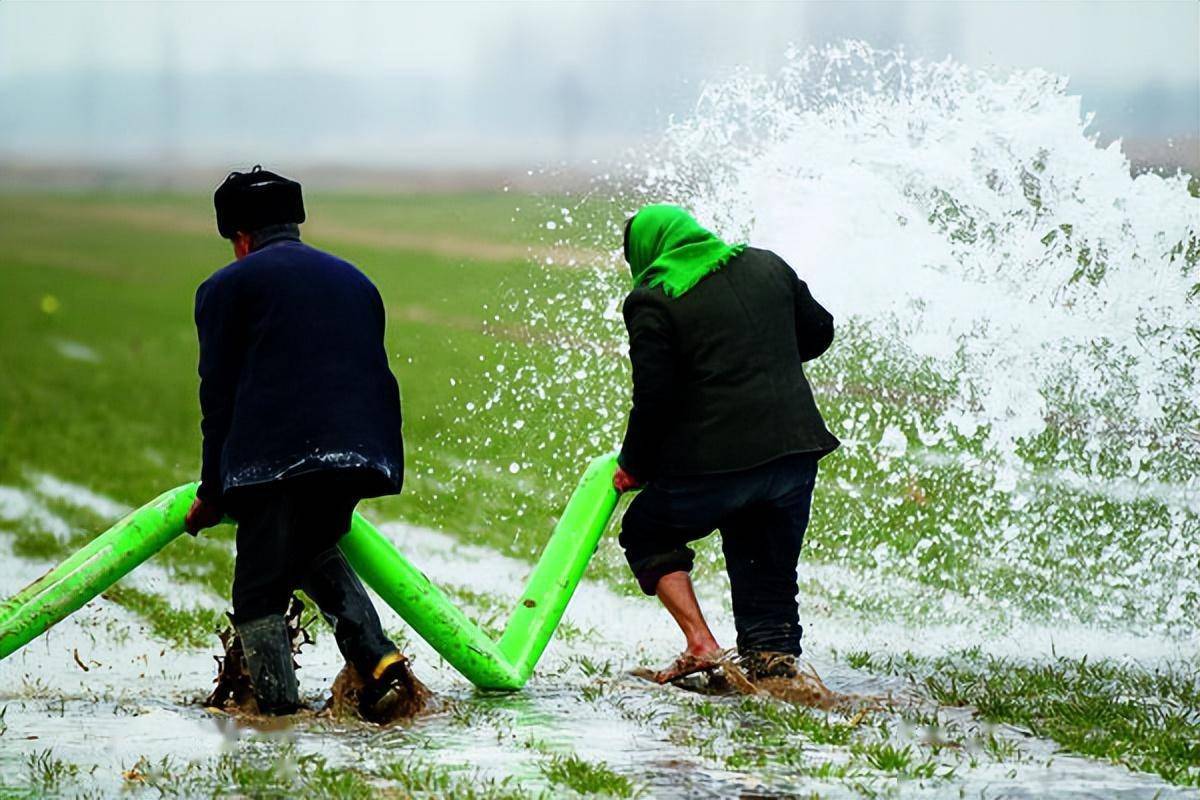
[[724, 432]]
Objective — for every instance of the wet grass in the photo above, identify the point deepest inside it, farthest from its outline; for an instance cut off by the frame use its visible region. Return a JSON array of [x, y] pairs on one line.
[[489, 611], [423, 780], [1145, 719], [272, 772], [180, 627], [117, 274], [39, 546], [45, 773], [782, 742], [588, 778]]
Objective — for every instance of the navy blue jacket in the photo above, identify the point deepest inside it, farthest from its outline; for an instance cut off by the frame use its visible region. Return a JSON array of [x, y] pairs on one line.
[[294, 378], [718, 375]]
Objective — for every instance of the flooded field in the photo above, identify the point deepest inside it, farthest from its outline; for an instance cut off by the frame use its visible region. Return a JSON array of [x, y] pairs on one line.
[[1003, 556], [98, 706]]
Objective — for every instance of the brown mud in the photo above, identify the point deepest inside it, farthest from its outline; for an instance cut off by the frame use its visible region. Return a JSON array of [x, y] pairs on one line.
[[343, 702], [233, 692], [805, 688]]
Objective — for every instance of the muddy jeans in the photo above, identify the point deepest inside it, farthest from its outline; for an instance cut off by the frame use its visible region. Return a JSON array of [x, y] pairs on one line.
[[762, 514], [286, 540]]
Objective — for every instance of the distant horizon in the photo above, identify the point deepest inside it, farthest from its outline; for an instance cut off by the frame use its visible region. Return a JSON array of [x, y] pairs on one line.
[[480, 86], [18, 171]]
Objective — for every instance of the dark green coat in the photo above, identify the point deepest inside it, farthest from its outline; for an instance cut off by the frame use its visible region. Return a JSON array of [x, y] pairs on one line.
[[718, 377]]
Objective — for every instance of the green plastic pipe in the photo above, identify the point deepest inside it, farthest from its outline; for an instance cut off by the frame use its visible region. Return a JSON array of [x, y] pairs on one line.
[[423, 606], [101, 563], [508, 665], [560, 567], [505, 666]]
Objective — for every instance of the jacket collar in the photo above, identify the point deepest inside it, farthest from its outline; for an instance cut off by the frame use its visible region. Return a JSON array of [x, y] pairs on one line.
[[288, 232]]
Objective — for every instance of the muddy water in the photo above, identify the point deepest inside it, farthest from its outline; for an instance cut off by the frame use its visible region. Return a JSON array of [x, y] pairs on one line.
[[138, 700]]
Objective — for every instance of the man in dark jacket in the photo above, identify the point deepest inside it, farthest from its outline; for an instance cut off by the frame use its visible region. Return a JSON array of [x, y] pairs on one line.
[[724, 432], [301, 420]]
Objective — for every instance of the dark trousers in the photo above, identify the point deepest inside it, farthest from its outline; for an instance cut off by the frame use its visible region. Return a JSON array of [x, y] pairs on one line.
[[286, 540], [762, 514]]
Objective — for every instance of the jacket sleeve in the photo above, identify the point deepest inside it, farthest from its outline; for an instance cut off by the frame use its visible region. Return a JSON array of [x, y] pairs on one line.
[[220, 364], [652, 356], [814, 325]]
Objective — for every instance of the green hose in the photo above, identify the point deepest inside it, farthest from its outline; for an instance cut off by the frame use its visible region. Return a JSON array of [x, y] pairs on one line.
[[505, 665]]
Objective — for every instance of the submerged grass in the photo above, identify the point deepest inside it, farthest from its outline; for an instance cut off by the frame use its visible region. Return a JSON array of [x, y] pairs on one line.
[[189, 628], [264, 770], [782, 742], [46, 773], [589, 778], [417, 779], [1145, 719]]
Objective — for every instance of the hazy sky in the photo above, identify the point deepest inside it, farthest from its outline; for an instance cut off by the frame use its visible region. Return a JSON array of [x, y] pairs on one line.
[[1122, 42], [494, 69]]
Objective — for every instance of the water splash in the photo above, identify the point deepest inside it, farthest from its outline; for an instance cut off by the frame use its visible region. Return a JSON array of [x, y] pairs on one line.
[[1017, 376], [974, 217]]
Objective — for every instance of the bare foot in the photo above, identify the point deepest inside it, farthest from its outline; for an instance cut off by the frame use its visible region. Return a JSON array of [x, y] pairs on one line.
[[689, 664]]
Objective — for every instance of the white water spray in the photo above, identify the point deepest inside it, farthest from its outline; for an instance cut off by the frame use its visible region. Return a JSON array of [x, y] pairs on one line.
[[1017, 372], [972, 218]]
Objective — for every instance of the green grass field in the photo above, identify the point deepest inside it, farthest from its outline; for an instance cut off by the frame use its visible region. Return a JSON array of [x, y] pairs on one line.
[[98, 388]]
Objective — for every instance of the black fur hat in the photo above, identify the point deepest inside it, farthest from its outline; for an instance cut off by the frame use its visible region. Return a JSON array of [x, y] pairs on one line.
[[247, 201]]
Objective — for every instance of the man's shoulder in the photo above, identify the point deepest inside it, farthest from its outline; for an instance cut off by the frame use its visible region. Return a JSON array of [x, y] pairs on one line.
[[297, 252], [219, 278], [285, 253]]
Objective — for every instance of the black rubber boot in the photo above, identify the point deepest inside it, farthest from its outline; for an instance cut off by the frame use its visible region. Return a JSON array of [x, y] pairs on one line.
[[268, 652]]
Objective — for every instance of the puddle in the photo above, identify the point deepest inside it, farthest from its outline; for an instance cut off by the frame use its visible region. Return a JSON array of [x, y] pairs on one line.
[[140, 700], [20, 506], [54, 488]]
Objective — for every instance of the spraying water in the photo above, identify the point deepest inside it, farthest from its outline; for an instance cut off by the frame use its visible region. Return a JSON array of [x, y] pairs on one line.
[[1016, 374]]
